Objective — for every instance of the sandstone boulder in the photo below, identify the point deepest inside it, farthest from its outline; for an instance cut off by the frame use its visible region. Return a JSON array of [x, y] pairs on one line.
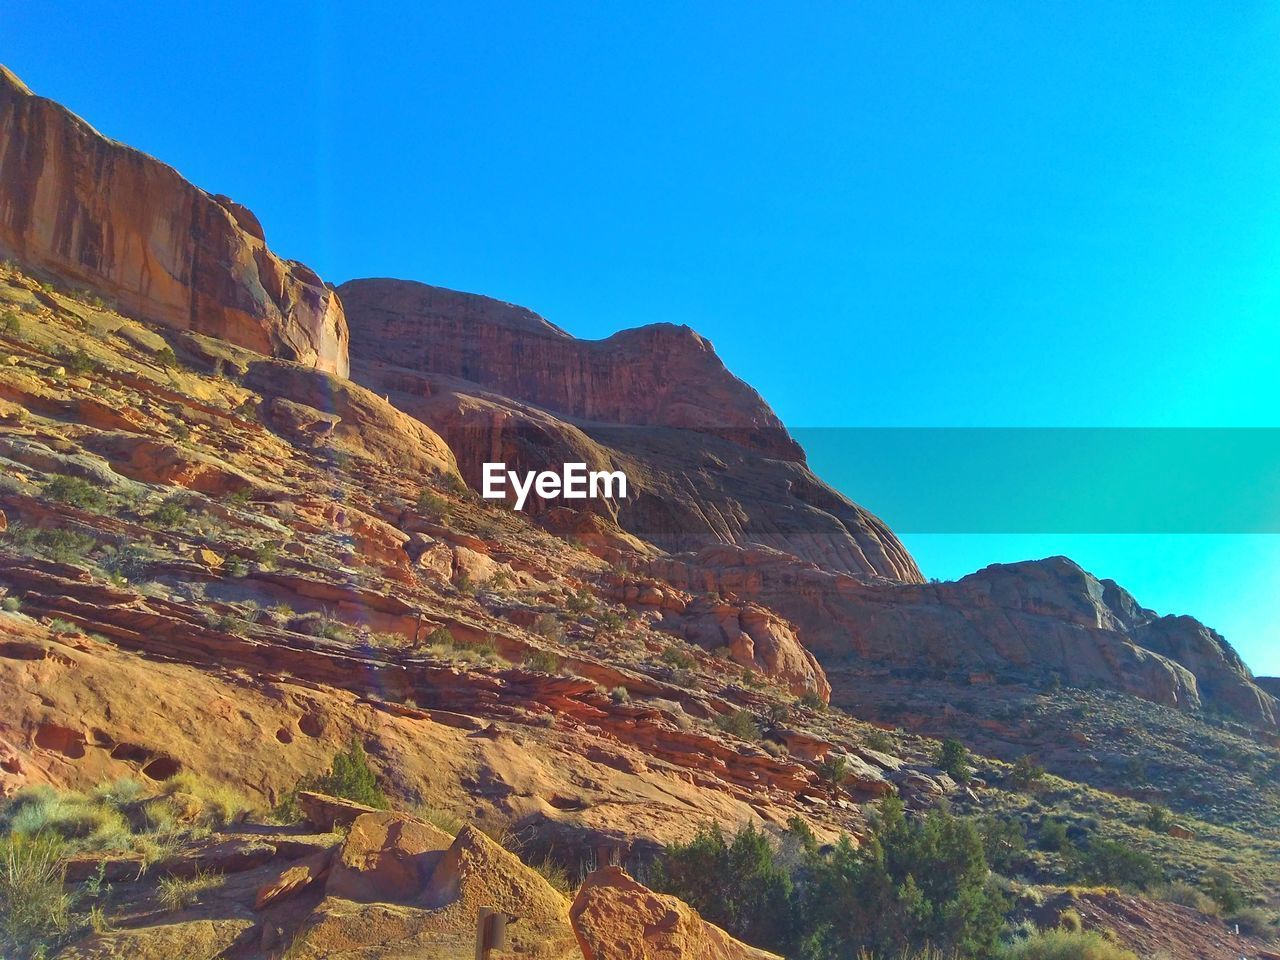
[[616, 918], [386, 857]]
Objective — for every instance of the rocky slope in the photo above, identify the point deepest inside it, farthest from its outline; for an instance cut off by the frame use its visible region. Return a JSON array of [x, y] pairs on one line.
[[220, 558], [132, 230]]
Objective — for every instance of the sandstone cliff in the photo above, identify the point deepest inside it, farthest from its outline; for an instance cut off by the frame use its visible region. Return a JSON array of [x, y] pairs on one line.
[[707, 459], [95, 212]]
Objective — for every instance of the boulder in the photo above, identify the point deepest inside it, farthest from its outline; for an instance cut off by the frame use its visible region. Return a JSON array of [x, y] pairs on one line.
[[386, 857], [616, 918]]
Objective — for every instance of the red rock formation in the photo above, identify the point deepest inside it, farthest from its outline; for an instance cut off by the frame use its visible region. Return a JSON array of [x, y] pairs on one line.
[[98, 213], [715, 464], [1037, 619]]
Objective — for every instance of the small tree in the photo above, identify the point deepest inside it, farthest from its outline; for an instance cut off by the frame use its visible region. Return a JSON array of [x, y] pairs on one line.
[[954, 759], [350, 777]]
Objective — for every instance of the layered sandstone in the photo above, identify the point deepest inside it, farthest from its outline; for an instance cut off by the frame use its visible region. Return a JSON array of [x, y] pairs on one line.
[[706, 458], [94, 212]]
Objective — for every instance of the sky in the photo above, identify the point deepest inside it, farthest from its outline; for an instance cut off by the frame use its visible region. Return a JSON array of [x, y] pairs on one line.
[[882, 214]]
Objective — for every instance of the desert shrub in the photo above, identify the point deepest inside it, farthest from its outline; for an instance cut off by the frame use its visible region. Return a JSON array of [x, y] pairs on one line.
[[431, 504], [548, 625], [34, 907], [75, 492], [1186, 895], [71, 818], [349, 777], [1004, 842], [831, 770], [1223, 890], [609, 622], [1112, 863], [954, 759], [166, 358], [1052, 835], [739, 723], [812, 701], [1158, 818], [1066, 945], [10, 604], [77, 361], [620, 695], [10, 324], [1026, 773], [880, 740], [913, 885], [172, 512], [674, 656], [736, 883], [1254, 921], [220, 805], [543, 661]]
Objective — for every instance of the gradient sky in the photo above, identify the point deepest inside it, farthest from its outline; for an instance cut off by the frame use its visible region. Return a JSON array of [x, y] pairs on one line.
[[930, 214]]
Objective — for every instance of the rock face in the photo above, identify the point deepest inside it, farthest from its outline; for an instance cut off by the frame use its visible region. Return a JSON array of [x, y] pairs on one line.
[[706, 459], [615, 918], [1037, 619], [95, 212]]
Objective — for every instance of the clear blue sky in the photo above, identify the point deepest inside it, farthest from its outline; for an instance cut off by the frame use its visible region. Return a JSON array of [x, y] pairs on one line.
[[937, 214]]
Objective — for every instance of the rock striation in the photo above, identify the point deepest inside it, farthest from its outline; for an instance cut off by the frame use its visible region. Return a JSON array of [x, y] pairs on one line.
[[91, 211]]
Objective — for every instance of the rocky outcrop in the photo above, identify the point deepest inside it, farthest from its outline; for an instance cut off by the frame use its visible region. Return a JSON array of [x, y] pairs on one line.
[[95, 212], [660, 375], [616, 918], [706, 459], [1025, 621]]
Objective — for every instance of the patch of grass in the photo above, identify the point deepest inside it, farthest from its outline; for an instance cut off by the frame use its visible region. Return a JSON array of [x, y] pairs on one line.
[[34, 907], [440, 819], [177, 893], [1066, 945]]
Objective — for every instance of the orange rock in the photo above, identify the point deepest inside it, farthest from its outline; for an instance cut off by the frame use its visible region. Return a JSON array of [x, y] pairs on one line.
[[616, 918], [294, 878], [386, 857], [327, 813]]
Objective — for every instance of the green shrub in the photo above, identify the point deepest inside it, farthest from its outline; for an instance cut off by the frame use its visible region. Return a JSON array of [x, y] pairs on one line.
[[676, 657], [1026, 773], [914, 884], [812, 701], [1066, 945], [1254, 921], [10, 324], [736, 884], [1223, 890], [350, 777], [1004, 842], [832, 770], [739, 723], [75, 492], [543, 661], [172, 512], [34, 907], [1158, 818], [1117, 864], [954, 759], [166, 357], [431, 504], [10, 604], [77, 361], [1052, 835]]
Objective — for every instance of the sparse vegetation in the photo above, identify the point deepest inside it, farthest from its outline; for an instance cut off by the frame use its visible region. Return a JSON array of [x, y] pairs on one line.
[[953, 758], [76, 492], [681, 659], [739, 723], [544, 661], [1064, 944], [178, 893], [34, 907], [349, 777]]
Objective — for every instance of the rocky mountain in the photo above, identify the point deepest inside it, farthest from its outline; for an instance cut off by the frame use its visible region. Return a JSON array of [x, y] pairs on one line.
[[96, 213], [707, 459], [224, 562]]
